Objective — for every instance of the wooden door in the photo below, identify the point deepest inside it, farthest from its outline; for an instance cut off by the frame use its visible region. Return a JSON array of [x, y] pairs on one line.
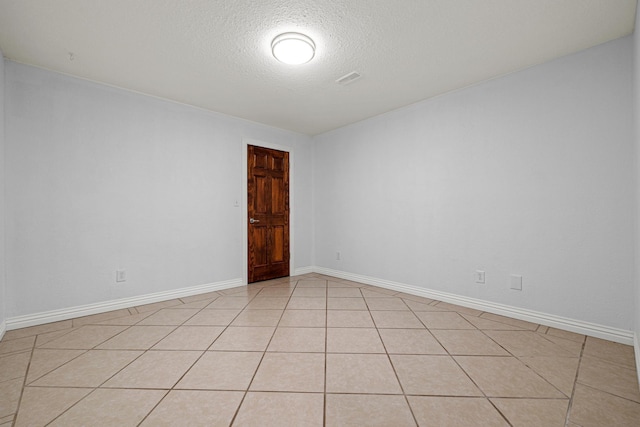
[[268, 210]]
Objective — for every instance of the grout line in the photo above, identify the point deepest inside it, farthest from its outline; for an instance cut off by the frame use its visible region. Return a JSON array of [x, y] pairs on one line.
[[404, 394], [24, 381], [461, 368], [246, 392], [154, 406], [575, 383], [326, 349]]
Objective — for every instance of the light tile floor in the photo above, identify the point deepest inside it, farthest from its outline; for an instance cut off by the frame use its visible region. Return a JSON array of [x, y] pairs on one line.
[[312, 351]]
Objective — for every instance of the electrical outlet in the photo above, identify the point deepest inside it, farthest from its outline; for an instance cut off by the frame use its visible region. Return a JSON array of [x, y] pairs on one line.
[[121, 276], [479, 276], [516, 282], [338, 256]]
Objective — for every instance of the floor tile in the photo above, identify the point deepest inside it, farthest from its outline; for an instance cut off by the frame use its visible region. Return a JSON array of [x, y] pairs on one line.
[[421, 306], [40, 405], [350, 292], [37, 330], [506, 377], [349, 319], [468, 342], [455, 412], [307, 303], [385, 303], [458, 309], [414, 298], [337, 283], [195, 408], [432, 375], [197, 304], [100, 317], [111, 407], [258, 318], [276, 303], [241, 338], [361, 373], [559, 371], [368, 410], [281, 409], [302, 340], [42, 339], [295, 372], [354, 340], [346, 304], [304, 318], [170, 316], [85, 337], [375, 292], [14, 365], [229, 302], [221, 370], [534, 412], [213, 317], [396, 319], [9, 396], [574, 348], [207, 296], [609, 377], [311, 283], [241, 291], [127, 320], [137, 338], [89, 369], [155, 369], [276, 292], [579, 338], [190, 338], [527, 343], [157, 305], [486, 324], [309, 292], [444, 320], [44, 361], [410, 341], [594, 408], [19, 344], [510, 321], [610, 351]]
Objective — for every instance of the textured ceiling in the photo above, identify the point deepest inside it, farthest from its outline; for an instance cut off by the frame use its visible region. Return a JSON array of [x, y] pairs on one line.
[[215, 54]]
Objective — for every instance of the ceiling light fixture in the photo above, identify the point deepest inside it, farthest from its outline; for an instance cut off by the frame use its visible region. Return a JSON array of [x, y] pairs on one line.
[[293, 48]]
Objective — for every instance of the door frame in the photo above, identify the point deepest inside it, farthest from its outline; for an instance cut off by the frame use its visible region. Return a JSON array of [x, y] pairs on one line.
[[244, 208]]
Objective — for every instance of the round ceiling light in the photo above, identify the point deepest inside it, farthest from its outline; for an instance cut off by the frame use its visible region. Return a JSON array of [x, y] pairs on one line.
[[293, 48]]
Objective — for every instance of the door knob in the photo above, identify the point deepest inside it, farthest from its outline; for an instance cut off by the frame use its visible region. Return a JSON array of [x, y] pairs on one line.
[[253, 221]]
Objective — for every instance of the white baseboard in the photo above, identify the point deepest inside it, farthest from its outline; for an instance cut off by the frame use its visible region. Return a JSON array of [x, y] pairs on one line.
[[102, 307], [303, 270], [572, 325], [636, 347]]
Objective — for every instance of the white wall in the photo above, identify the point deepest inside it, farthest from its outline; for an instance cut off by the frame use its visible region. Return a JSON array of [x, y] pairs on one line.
[[529, 174], [3, 298], [100, 179]]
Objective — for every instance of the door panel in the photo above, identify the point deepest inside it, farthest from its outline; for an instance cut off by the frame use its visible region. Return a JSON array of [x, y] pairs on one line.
[[260, 238], [268, 206], [277, 252], [262, 187], [277, 199]]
